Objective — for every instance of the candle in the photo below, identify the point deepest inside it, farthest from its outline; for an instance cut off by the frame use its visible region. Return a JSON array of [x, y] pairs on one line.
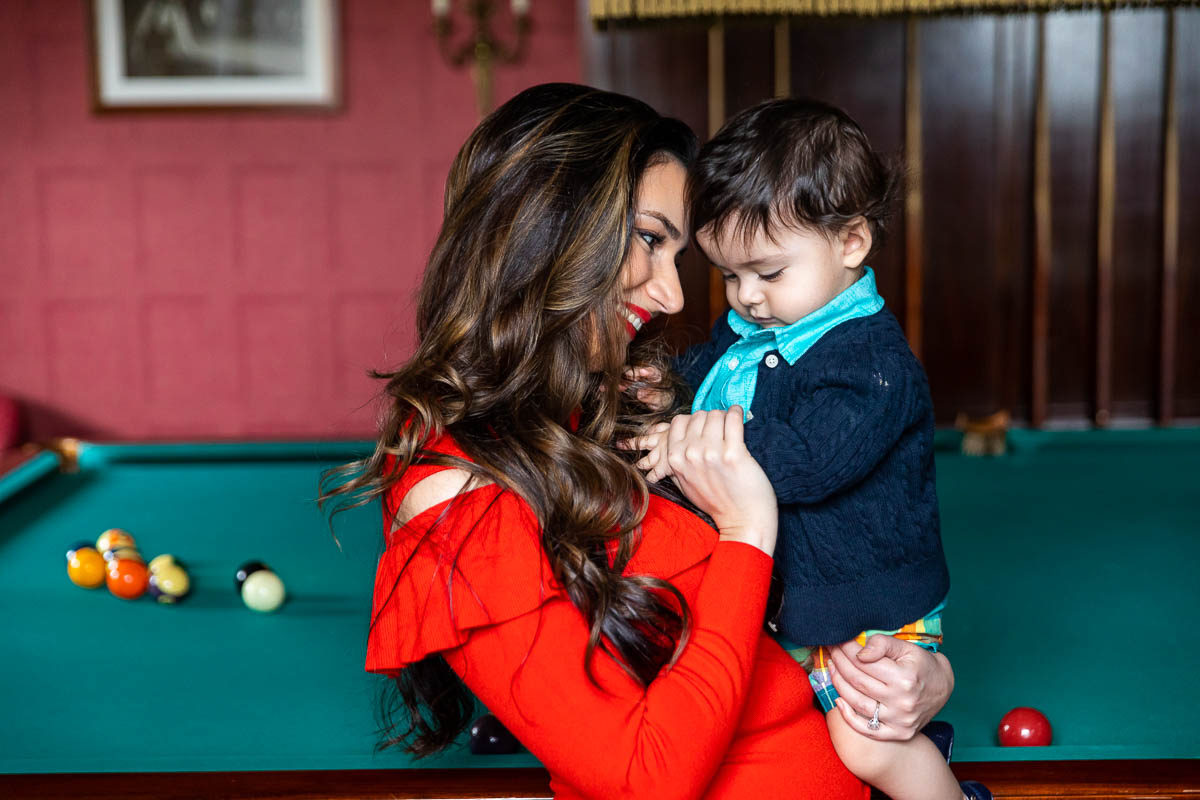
[[520, 7], [441, 8]]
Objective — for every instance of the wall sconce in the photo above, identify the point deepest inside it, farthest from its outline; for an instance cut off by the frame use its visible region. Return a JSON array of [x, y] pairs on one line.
[[482, 47]]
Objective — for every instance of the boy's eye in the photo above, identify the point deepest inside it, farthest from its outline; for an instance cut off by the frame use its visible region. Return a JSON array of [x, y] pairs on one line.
[[773, 276], [728, 277]]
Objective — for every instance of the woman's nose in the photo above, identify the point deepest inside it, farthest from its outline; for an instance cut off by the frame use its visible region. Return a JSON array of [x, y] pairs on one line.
[[664, 289]]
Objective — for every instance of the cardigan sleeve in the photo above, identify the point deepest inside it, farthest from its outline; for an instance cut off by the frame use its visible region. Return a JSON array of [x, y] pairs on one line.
[[487, 602], [840, 430]]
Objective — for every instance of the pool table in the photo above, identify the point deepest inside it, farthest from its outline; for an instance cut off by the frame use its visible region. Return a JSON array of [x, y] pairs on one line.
[[1073, 555]]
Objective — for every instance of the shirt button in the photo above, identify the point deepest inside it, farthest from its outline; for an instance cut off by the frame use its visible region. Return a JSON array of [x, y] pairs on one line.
[[772, 361], [732, 362]]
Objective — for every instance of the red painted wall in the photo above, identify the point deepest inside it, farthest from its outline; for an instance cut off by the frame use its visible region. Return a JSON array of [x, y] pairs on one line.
[[210, 275]]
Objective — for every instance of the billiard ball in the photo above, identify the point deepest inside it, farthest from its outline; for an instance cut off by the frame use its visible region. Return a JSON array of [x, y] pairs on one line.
[[85, 567], [113, 538], [244, 571], [261, 589], [169, 583], [127, 553], [1024, 727], [127, 578], [489, 737], [158, 562]]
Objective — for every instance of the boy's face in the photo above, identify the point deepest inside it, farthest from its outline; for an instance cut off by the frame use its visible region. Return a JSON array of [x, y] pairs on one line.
[[776, 283]]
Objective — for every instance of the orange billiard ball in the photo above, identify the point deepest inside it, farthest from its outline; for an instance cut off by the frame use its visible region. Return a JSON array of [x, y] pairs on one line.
[[85, 567], [127, 578]]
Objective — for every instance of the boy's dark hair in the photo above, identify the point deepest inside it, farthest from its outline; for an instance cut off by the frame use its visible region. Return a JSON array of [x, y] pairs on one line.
[[789, 162]]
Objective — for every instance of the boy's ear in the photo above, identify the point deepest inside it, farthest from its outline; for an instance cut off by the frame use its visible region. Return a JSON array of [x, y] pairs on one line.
[[855, 239]]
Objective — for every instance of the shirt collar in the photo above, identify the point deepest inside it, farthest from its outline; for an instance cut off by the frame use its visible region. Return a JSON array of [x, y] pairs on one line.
[[860, 299]]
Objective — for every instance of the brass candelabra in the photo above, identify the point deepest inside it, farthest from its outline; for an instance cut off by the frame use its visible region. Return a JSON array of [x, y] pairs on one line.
[[482, 48]]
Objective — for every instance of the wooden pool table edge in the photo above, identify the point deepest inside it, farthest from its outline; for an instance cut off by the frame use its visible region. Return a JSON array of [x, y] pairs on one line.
[[1008, 780], [1030, 780]]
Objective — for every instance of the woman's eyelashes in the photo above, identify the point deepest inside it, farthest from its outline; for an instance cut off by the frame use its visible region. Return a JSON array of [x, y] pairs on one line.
[[653, 240]]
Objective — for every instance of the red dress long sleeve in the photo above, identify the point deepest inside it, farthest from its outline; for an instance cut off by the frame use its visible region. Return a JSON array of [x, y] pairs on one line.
[[732, 718]]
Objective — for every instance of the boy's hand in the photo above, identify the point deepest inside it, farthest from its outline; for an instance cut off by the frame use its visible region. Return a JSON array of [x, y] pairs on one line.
[[656, 399], [654, 463]]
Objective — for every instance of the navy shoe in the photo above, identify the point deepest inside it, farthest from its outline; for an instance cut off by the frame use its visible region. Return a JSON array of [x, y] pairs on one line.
[[974, 790], [942, 735]]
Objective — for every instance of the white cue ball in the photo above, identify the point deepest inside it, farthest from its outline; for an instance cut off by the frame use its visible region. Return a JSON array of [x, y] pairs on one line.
[[263, 591]]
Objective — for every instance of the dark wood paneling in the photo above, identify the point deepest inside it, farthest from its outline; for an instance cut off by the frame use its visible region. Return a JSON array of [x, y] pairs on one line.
[[859, 65], [749, 64], [1187, 106], [978, 100], [1010, 371], [1137, 234], [961, 180], [1039, 297], [1072, 61]]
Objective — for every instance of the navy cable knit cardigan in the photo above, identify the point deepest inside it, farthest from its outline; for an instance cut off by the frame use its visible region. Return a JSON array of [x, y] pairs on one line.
[[845, 436]]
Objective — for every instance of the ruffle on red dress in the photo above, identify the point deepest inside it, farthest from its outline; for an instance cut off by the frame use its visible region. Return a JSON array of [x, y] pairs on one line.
[[476, 560]]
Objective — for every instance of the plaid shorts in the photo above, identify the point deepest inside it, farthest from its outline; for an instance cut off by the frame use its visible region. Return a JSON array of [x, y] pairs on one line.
[[926, 632]]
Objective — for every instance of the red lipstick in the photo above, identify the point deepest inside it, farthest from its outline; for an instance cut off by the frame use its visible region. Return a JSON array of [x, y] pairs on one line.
[[635, 318]]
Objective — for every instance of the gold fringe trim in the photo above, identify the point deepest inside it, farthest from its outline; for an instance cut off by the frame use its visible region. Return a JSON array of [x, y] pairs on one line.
[[635, 10]]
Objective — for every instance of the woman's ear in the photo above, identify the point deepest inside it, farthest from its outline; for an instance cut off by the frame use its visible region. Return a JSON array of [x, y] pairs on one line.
[[855, 240]]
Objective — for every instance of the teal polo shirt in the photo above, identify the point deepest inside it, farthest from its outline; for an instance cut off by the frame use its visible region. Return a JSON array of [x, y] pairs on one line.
[[732, 379]]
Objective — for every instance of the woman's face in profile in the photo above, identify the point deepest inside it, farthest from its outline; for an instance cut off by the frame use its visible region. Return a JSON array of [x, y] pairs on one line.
[[649, 277]]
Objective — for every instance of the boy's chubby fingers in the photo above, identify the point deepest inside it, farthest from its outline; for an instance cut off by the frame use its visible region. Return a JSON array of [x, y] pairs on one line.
[[650, 460], [647, 441], [650, 374]]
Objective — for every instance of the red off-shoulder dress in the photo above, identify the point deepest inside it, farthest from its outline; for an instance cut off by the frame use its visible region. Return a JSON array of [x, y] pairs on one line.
[[733, 718]]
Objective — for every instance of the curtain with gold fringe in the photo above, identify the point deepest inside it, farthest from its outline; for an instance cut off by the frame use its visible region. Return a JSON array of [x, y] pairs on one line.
[[635, 10]]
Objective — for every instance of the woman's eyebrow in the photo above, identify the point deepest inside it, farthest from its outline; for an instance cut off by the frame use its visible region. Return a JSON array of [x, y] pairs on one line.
[[671, 229]]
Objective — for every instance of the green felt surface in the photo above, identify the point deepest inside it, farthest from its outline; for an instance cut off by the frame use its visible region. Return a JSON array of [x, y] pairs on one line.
[[1074, 590], [96, 683]]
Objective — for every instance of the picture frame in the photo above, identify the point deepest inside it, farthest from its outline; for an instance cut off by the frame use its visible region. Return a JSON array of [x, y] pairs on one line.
[[215, 54]]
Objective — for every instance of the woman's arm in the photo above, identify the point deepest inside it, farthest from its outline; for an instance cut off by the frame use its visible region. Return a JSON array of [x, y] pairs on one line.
[[618, 739], [910, 684]]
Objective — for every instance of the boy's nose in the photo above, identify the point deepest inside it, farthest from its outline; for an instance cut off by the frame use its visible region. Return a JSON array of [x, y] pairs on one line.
[[748, 295]]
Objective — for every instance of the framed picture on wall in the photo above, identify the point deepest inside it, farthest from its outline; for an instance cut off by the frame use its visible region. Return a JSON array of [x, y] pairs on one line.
[[160, 54]]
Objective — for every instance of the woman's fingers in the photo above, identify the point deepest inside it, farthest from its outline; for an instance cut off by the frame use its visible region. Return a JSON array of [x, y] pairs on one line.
[[860, 702], [849, 675], [861, 724], [735, 432]]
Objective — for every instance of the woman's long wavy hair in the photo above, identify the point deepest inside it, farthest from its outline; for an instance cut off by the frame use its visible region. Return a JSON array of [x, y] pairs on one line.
[[521, 357]]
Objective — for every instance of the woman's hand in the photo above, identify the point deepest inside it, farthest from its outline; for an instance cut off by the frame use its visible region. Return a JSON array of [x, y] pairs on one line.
[[706, 455], [910, 685]]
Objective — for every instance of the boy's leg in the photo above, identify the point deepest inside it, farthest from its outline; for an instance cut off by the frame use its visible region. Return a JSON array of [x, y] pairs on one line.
[[911, 770]]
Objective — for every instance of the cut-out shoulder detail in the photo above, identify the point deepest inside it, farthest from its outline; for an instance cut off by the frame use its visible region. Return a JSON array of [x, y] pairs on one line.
[[431, 491]]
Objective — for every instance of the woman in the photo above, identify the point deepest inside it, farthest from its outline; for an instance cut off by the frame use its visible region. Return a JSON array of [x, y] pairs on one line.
[[614, 632]]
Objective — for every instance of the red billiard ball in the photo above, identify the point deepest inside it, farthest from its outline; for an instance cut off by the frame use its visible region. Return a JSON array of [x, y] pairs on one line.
[[1024, 727]]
